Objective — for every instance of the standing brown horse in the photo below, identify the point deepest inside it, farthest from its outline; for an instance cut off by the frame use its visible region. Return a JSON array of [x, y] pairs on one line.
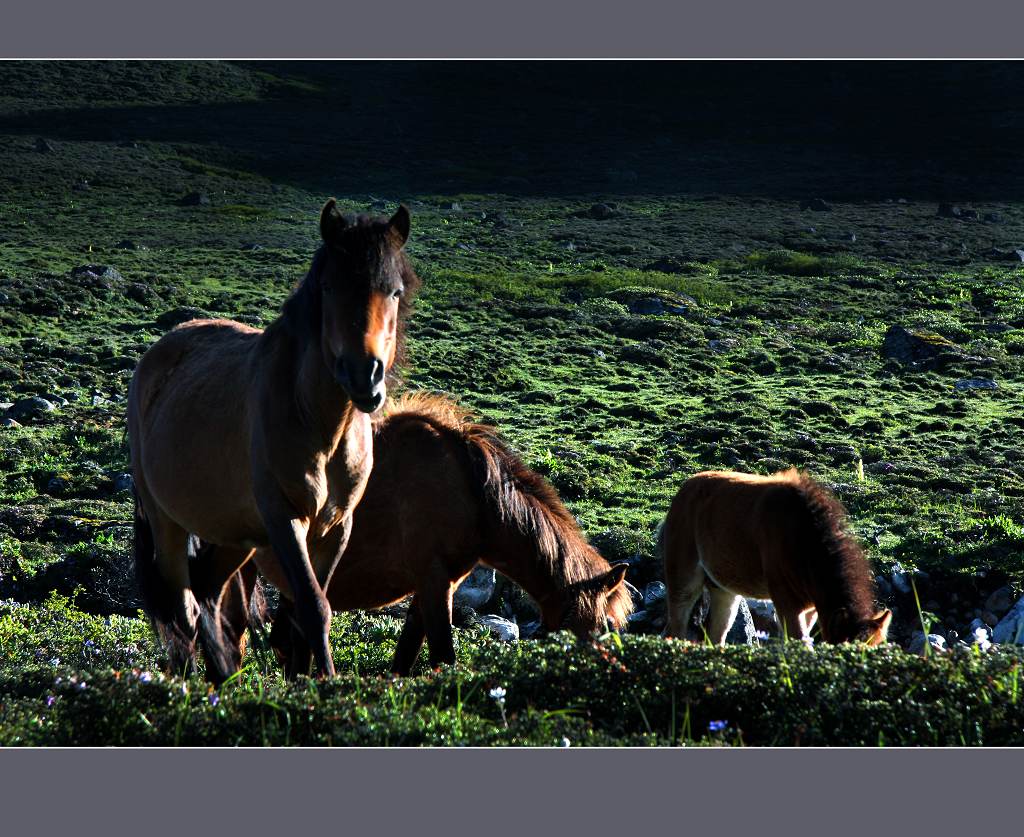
[[444, 493], [248, 439], [780, 537]]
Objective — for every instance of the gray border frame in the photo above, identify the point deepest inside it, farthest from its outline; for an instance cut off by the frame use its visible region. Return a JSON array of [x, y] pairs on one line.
[[509, 791], [520, 29]]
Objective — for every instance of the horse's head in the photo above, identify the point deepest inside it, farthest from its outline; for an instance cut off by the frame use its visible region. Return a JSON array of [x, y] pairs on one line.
[[842, 626], [363, 280], [589, 606]]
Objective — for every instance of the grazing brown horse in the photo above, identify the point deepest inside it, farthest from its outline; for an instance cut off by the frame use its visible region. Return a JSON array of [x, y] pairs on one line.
[[445, 493], [251, 439], [780, 537]]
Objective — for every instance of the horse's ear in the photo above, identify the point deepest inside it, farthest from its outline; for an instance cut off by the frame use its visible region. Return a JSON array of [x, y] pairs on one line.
[[615, 576], [400, 223], [332, 222], [882, 620]]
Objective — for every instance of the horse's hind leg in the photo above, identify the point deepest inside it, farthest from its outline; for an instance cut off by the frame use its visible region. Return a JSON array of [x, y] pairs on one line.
[[724, 605], [411, 640], [227, 610], [684, 580], [162, 572]]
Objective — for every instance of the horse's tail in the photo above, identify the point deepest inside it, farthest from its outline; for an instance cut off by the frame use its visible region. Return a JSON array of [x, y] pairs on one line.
[[158, 601]]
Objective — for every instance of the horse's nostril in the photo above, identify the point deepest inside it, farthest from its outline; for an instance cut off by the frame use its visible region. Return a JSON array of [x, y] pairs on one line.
[[376, 371]]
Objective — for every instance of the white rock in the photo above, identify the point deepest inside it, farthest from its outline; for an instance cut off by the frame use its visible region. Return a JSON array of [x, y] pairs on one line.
[[503, 629], [1011, 627], [477, 589]]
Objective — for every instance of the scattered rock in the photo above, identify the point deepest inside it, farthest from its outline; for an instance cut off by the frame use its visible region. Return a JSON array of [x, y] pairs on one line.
[[992, 218], [900, 579], [1000, 255], [918, 349], [646, 355], [1011, 627], [478, 588], [668, 264], [599, 212], [126, 244], [177, 316], [654, 594], [140, 292], [123, 482], [97, 271], [30, 408], [742, 630], [815, 205], [949, 210], [762, 614], [917, 643], [44, 146], [976, 383], [194, 199], [503, 629], [999, 601], [8, 422]]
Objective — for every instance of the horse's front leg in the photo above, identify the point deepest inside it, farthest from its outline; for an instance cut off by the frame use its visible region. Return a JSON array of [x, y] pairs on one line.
[[325, 554], [287, 534]]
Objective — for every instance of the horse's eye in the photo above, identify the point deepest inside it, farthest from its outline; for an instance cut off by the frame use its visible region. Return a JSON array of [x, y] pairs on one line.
[[397, 294]]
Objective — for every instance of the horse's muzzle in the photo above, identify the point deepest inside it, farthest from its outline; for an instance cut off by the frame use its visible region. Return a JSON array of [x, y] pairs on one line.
[[363, 382]]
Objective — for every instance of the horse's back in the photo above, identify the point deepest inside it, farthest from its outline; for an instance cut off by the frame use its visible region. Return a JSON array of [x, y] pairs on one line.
[[734, 521], [188, 422], [419, 507]]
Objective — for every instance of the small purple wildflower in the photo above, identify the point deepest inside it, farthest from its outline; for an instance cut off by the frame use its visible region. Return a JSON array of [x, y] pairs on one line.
[[717, 726], [145, 677], [214, 699], [50, 700]]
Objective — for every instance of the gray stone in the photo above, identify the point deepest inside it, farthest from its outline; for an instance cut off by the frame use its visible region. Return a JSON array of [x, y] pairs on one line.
[[762, 614], [176, 316], [899, 578], [123, 482], [976, 383], [917, 643], [29, 408], [478, 588], [600, 212], [742, 630], [194, 199], [97, 271], [654, 593], [1000, 601], [9, 422], [499, 627], [918, 349], [815, 205], [1011, 627]]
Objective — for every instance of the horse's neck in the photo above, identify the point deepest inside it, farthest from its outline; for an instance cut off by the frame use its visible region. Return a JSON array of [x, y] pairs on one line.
[[322, 402], [519, 559]]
